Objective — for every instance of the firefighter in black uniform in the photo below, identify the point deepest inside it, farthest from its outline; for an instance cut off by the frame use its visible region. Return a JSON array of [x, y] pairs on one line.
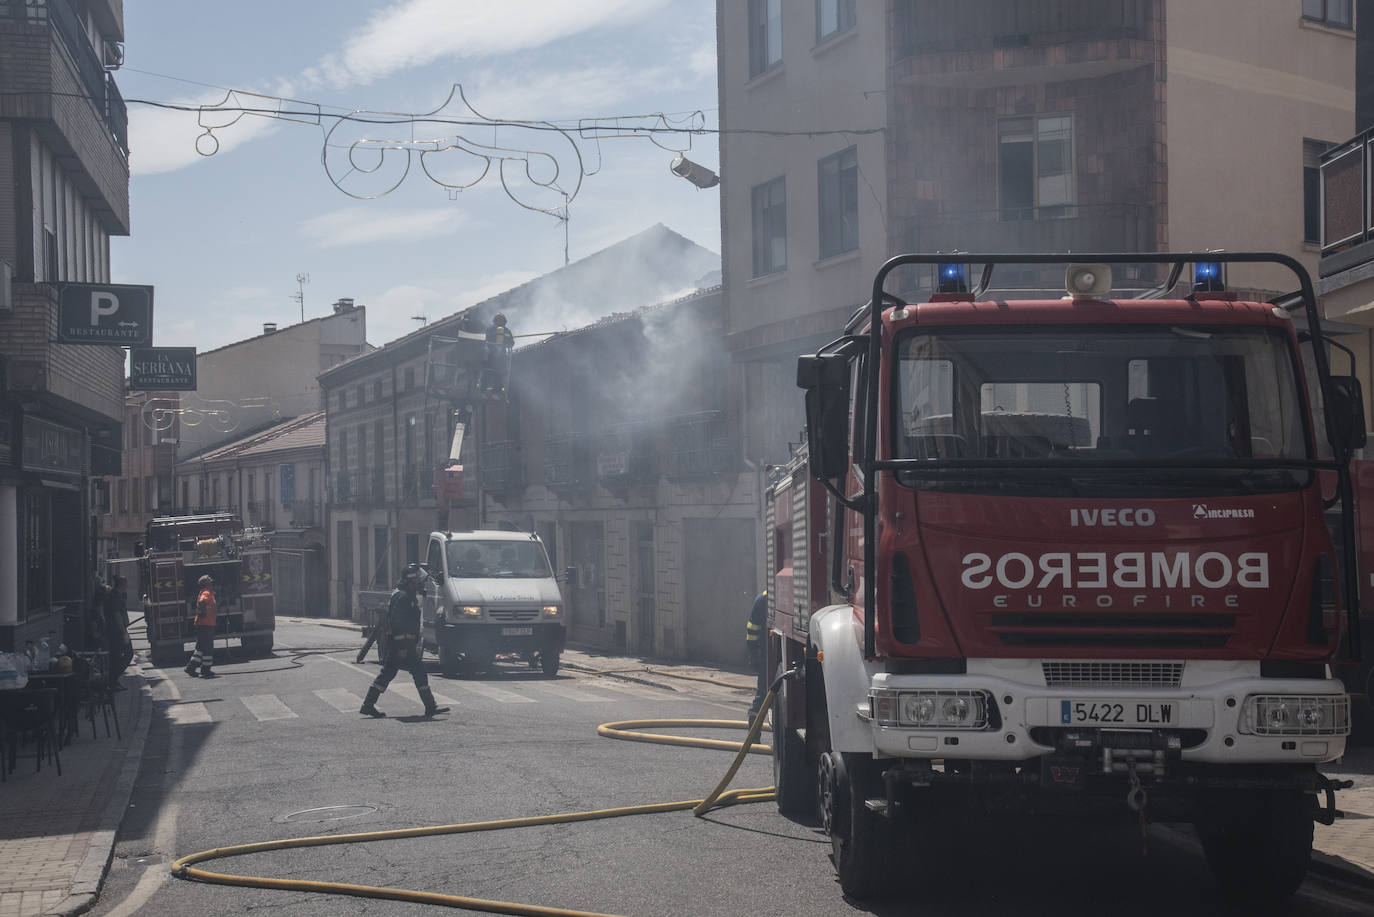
[[403, 616], [758, 650]]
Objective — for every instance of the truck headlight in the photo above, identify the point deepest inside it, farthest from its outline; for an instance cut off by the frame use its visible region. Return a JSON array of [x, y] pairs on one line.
[[470, 611], [1296, 715], [931, 709], [551, 611]]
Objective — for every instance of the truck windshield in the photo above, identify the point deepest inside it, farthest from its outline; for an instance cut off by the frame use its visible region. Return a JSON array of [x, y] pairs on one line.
[[1176, 394], [497, 559]]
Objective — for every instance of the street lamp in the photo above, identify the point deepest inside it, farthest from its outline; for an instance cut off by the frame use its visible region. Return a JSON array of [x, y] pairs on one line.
[[698, 175]]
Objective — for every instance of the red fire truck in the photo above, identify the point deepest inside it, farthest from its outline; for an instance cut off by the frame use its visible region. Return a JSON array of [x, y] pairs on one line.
[[181, 549], [1070, 556]]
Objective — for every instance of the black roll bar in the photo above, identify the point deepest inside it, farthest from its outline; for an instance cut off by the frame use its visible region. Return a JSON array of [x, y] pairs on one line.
[[1305, 293]]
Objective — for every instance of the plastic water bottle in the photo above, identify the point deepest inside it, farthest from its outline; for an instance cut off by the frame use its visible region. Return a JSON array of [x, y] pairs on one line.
[[44, 657]]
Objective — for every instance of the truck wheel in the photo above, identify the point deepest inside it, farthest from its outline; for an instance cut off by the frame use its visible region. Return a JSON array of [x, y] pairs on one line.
[[448, 661], [549, 663], [794, 782], [1258, 846], [862, 842], [166, 655], [258, 647]]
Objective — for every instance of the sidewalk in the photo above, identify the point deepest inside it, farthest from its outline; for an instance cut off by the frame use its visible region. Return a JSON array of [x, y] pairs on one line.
[[57, 832]]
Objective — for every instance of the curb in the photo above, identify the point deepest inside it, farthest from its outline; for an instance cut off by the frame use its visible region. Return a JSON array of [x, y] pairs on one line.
[[1334, 867], [90, 875]]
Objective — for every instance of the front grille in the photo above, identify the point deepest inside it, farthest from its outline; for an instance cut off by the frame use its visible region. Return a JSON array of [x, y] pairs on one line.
[[1050, 735], [1113, 674], [512, 615]]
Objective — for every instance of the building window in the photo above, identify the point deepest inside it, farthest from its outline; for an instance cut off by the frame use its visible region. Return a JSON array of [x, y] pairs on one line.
[[1339, 14], [1312, 151], [765, 35], [770, 227], [410, 377], [377, 390], [380, 576], [412, 548], [1035, 167], [122, 487], [838, 187], [833, 17]]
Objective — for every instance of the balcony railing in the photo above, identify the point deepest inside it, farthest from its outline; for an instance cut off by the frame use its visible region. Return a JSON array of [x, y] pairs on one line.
[[61, 17], [501, 468], [625, 454], [343, 487], [569, 461], [956, 25], [259, 513], [1347, 199], [700, 446], [306, 513]]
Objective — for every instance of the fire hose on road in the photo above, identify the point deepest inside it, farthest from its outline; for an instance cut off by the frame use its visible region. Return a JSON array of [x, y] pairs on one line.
[[183, 867]]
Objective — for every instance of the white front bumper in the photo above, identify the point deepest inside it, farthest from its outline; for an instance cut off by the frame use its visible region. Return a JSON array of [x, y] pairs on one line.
[[1212, 710]]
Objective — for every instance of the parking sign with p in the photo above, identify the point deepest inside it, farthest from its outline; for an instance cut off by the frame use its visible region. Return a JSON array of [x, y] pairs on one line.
[[118, 314]]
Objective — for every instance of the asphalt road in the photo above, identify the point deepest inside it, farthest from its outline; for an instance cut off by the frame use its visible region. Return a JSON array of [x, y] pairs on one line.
[[274, 748]]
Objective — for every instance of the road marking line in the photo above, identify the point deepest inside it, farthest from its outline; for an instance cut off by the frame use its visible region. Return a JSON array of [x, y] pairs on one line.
[[572, 694], [188, 714], [638, 691], [341, 699], [268, 707], [496, 694]]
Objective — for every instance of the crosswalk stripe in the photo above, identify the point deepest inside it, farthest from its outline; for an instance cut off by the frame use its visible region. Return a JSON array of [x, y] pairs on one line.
[[187, 714], [341, 699], [572, 694], [496, 694], [639, 691], [268, 707], [408, 691]]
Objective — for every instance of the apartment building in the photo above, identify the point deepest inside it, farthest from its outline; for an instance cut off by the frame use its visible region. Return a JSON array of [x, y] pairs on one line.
[[620, 447], [64, 191], [390, 413], [853, 130]]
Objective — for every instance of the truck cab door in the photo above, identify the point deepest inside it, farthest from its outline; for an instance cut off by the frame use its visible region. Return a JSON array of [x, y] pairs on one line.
[[433, 596]]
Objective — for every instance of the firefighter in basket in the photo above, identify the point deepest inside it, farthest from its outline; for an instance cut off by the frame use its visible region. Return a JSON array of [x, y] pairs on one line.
[[403, 649]]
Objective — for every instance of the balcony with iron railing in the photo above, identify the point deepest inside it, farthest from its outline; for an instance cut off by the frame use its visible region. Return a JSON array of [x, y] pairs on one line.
[[306, 513], [61, 17], [570, 461], [1020, 42], [1347, 205], [700, 446], [502, 471], [367, 487], [626, 454]]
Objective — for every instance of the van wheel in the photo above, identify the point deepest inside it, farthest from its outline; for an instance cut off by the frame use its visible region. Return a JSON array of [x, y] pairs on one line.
[[549, 663], [1258, 846], [448, 661]]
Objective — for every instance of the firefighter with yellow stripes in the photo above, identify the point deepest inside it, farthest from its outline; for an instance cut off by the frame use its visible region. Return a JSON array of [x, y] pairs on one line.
[[758, 650], [403, 649]]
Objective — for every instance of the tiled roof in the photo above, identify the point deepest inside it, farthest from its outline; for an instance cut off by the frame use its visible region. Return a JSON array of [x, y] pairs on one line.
[[304, 432]]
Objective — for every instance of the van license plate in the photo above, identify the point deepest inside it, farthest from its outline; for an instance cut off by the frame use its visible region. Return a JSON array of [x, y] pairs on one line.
[[517, 631], [1118, 713]]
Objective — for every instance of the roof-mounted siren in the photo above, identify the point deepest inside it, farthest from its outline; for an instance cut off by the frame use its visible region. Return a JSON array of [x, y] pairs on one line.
[[1207, 277], [951, 278], [1088, 281]]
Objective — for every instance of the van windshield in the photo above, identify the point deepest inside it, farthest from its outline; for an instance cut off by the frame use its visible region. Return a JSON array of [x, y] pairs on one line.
[[497, 559]]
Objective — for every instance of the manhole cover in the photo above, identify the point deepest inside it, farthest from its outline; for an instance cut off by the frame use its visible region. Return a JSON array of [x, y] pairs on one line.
[[326, 813]]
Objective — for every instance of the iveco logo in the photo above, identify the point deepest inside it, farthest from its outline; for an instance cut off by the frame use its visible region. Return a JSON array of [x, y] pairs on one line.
[[1112, 517]]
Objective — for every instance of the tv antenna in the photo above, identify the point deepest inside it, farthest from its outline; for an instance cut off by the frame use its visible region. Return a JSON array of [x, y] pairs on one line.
[[299, 295], [422, 319]]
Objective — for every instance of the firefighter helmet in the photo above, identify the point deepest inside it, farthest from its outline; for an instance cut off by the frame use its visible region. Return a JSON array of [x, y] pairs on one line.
[[499, 318], [412, 577], [205, 581]]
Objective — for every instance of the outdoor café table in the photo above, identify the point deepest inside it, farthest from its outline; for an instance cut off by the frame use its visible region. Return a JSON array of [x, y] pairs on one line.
[[68, 700]]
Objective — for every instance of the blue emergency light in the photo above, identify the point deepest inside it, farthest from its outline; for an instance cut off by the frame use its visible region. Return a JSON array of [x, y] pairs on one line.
[[953, 278], [1207, 277]]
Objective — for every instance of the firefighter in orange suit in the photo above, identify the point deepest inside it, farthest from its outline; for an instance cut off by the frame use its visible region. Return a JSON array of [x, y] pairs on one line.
[[204, 655]]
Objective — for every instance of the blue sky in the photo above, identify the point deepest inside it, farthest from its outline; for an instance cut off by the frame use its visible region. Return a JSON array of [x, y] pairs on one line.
[[222, 237]]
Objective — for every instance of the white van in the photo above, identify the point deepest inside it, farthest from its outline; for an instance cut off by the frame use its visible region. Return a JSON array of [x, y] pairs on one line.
[[496, 595]]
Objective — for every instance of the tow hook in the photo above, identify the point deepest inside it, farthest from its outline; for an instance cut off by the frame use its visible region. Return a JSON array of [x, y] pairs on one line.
[[1328, 813], [1137, 800]]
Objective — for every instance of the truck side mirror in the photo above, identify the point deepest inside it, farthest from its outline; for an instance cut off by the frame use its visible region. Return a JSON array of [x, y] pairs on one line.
[[1347, 408], [825, 378], [570, 576]]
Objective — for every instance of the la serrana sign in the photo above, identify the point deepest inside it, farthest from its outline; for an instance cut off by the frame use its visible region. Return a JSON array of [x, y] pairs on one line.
[[162, 369]]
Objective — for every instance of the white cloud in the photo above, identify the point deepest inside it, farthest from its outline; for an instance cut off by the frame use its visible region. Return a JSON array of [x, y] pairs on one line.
[[363, 224], [414, 33]]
